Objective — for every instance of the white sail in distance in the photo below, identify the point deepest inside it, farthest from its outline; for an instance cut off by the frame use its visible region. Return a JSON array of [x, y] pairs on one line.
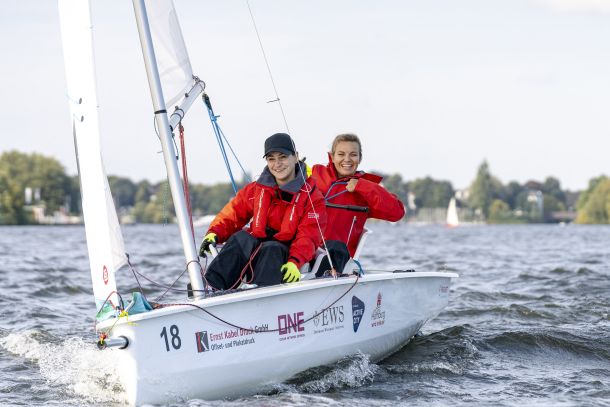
[[104, 239], [175, 70], [452, 215]]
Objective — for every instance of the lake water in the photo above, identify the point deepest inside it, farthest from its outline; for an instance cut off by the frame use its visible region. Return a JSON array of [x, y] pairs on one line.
[[527, 323]]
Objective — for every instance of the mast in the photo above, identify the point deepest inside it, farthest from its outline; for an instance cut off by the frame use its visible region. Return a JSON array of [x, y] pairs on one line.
[[162, 122]]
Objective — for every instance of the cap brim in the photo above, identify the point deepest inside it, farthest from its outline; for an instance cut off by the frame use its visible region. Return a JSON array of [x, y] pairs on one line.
[[279, 150]]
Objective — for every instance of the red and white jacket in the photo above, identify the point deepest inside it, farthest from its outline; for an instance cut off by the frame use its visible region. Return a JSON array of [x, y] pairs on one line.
[[348, 211], [282, 213]]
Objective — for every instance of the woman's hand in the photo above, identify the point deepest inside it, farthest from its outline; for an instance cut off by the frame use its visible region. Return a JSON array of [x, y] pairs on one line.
[[351, 185]]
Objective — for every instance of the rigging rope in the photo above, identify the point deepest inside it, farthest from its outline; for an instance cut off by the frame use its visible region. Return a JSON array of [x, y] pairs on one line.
[[185, 178], [217, 132], [278, 100], [168, 288]]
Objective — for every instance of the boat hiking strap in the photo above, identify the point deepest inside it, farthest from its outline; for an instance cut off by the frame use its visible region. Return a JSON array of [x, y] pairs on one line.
[[354, 208], [220, 137]]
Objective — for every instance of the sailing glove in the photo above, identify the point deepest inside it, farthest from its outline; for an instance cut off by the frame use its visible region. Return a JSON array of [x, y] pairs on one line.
[[291, 273], [209, 239]]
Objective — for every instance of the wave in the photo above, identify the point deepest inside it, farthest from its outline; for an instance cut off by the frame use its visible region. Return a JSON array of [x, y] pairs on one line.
[[350, 372], [70, 366]]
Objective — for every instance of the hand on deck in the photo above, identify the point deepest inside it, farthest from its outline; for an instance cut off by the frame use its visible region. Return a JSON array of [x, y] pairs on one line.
[[291, 273]]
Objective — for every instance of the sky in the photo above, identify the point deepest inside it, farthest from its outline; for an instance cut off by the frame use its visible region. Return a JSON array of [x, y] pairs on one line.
[[432, 87]]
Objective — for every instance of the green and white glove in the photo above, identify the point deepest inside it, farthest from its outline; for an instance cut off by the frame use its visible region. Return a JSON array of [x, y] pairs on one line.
[[209, 239], [291, 273]]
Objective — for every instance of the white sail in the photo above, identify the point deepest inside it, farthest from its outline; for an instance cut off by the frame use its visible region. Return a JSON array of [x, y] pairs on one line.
[[452, 215], [104, 238], [173, 61]]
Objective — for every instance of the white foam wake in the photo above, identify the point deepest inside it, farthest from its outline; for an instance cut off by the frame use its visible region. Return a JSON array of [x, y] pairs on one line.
[[76, 366]]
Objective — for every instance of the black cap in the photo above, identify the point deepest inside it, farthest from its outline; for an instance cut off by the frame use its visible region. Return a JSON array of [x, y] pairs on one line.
[[279, 142]]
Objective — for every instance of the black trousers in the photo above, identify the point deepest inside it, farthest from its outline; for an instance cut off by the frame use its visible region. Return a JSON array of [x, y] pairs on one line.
[[225, 270], [339, 255]]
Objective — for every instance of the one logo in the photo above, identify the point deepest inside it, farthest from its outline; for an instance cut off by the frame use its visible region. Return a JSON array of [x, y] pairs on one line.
[[290, 323], [357, 311], [105, 275], [202, 341]]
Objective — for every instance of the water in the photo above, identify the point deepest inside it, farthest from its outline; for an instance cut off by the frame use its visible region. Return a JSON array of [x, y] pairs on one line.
[[527, 322]]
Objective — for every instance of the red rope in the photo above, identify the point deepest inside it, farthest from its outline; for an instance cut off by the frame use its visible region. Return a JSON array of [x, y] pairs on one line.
[[185, 178]]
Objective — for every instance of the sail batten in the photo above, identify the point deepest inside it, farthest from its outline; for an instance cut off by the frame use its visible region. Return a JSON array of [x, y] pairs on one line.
[[104, 238]]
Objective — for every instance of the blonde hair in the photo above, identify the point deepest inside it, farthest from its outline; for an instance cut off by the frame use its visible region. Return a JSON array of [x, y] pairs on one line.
[[346, 137]]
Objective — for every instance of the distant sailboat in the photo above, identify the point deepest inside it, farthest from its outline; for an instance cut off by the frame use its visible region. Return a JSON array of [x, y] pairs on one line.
[[452, 215]]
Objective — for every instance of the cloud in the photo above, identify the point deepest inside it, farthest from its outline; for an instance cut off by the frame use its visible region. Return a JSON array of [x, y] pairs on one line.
[[591, 6]]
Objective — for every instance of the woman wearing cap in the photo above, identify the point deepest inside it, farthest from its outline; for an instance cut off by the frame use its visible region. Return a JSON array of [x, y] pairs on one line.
[[351, 197], [285, 223]]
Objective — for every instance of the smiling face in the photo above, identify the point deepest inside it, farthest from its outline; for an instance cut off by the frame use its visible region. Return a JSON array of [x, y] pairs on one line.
[[282, 166], [346, 158]]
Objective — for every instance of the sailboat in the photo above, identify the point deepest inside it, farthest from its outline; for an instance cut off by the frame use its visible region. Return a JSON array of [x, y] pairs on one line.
[[216, 346], [452, 215]]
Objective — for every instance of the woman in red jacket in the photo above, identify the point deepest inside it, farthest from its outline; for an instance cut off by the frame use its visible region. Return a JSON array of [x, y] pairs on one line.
[[286, 214], [351, 197]]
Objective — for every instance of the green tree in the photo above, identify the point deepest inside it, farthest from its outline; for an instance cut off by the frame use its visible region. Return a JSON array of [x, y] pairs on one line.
[[143, 192], [395, 184], [551, 204], [430, 193], [123, 191], [499, 212], [481, 193], [595, 207], [552, 187], [21, 171], [513, 189]]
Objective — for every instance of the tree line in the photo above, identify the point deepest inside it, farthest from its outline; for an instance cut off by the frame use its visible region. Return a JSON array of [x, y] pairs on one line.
[[28, 180]]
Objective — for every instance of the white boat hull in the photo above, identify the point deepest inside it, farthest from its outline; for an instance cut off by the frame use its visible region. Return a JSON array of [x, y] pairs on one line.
[[182, 352]]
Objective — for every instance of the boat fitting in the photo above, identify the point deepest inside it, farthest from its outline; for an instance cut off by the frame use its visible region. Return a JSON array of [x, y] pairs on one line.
[[120, 342]]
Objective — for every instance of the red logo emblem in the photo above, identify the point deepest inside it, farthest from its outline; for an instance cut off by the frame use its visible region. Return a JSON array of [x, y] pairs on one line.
[[105, 275], [379, 300]]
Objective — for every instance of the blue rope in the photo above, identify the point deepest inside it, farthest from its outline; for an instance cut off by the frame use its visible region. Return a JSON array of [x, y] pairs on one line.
[[235, 156], [328, 198], [219, 137]]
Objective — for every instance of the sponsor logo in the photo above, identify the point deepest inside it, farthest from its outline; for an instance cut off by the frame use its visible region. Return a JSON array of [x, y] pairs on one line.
[[329, 319], [357, 312], [378, 316], [312, 215], [291, 326], [105, 275], [443, 290], [202, 341], [227, 339]]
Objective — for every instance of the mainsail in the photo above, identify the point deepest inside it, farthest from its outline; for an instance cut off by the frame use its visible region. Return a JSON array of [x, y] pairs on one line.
[[104, 238]]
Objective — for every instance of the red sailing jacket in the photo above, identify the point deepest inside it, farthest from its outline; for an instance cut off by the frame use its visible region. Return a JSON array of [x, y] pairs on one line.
[[287, 210], [347, 212]]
